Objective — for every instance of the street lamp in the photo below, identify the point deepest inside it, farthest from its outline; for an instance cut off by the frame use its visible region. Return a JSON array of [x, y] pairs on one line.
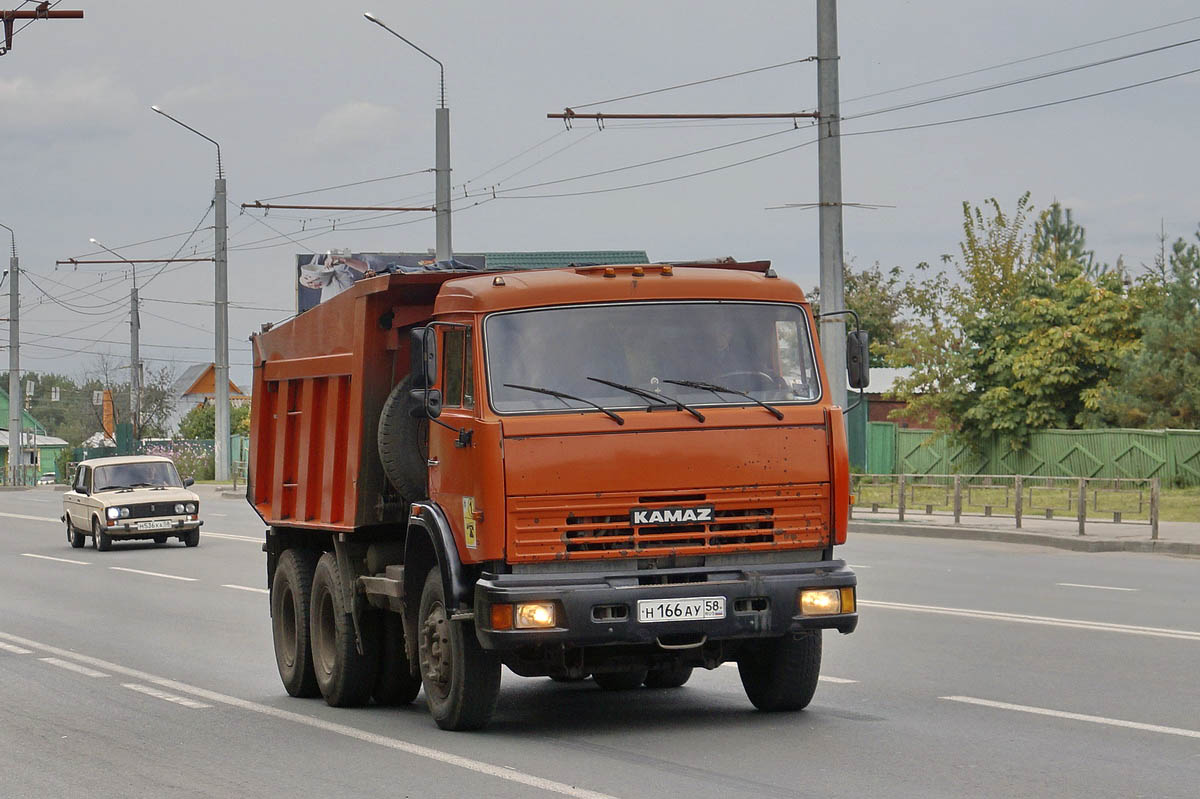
[[221, 301], [14, 363], [135, 363], [441, 152]]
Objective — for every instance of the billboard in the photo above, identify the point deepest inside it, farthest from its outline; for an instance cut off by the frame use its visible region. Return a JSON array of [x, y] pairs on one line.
[[320, 276]]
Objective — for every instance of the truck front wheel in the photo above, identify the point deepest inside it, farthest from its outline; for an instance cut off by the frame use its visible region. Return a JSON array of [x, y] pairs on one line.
[[344, 676], [461, 678], [291, 591], [781, 673]]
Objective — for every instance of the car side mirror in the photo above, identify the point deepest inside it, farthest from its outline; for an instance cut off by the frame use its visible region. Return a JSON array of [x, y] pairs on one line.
[[188, 482], [858, 359], [424, 357]]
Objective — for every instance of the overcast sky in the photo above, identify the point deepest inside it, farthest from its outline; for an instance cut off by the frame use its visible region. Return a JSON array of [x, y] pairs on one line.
[[304, 94]]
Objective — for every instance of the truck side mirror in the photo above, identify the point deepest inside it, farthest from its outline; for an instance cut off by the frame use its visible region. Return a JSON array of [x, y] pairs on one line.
[[427, 402], [424, 357], [858, 359]]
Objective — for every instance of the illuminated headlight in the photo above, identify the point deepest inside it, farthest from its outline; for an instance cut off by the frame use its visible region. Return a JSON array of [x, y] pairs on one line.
[[190, 507], [532, 615], [820, 601], [179, 508], [114, 513]]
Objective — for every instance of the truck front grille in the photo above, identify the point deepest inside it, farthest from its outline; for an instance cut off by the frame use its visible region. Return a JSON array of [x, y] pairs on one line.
[[599, 525]]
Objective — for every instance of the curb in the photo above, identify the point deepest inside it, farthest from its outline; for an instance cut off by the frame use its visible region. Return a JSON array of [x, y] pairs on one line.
[[1073, 544]]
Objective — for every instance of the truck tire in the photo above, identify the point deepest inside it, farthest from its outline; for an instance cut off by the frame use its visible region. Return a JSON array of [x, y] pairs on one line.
[[780, 674], [76, 538], [461, 678], [101, 540], [291, 592], [621, 680], [672, 676], [344, 677], [403, 443], [395, 683]]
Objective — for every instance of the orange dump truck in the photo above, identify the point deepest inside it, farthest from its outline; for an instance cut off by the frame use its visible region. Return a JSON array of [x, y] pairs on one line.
[[621, 473]]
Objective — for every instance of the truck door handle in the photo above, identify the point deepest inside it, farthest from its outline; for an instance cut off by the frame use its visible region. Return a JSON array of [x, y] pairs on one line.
[[432, 462]]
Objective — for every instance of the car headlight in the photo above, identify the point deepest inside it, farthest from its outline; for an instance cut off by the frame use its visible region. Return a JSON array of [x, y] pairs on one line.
[[179, 508], [191, 507], [124, 513], [113, 513]]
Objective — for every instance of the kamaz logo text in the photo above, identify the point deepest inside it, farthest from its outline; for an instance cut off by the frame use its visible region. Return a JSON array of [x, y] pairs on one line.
[[640, 517]]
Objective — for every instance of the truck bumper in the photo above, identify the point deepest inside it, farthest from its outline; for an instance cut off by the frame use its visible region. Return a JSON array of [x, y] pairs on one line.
[[598, 608]]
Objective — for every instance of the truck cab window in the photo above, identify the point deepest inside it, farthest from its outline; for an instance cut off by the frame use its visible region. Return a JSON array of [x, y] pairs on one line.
[[457, 381]]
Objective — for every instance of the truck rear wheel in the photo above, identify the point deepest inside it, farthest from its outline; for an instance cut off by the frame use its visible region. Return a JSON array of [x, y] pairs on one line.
[[781, 673], [620, 680], [291, 592], [403, 443], [344, 676], [395, 684], [671, 676], [461, 678]]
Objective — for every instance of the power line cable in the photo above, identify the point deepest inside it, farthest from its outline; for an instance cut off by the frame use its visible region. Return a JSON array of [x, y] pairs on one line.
[[346, 185]]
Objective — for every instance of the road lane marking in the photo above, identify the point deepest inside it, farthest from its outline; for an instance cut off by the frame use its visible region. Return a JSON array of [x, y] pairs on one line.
[[822, 678], [60, 560], [395, 744], [1063, 714], [163, 695], [232, 537], [247, 588], [857, 566], [1019, 618], [75, 667], [216, 514], [153, 574], [55, 520], [1100, 587], [16, 650]]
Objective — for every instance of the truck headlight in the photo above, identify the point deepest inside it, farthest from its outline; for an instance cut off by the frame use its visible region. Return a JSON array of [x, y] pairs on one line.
[[820, 601], [533, 615], [113, 513]]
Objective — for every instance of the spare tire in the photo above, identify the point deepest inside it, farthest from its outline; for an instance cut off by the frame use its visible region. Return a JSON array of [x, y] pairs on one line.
[[403, 442]]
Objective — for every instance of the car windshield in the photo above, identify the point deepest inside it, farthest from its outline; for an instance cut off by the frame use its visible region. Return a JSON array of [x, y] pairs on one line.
[[756, 351], [135, 475]]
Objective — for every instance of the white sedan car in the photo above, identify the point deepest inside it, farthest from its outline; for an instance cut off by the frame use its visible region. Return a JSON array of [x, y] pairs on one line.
[[130, 497]]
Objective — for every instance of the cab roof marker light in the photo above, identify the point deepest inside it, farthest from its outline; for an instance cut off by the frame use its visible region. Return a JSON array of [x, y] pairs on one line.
[[497, 281], [610, 272], [668, 270], [639, 272]]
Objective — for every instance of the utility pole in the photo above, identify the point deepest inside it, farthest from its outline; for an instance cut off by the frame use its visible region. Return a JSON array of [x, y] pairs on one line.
[[829, 154], [221, 301], [14, 366], [441, 163], [41, 11], [135, 361]]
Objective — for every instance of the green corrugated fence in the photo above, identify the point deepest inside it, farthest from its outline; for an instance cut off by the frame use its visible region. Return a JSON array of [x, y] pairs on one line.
[[1171, 455]]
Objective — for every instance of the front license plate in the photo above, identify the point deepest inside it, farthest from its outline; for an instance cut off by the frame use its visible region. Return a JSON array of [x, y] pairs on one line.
[[161, 524], [689, 609]]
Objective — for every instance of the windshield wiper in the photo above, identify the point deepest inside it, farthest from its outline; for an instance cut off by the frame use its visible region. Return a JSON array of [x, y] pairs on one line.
[[564, 396], [714, 388], [663, 400]]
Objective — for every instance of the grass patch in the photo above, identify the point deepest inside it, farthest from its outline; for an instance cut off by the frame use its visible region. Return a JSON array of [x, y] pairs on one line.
[[1179, 505]]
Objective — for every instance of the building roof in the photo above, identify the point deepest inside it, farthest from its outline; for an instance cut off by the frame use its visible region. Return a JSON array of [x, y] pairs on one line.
[[201, 379], [27, 420], [40, 439]]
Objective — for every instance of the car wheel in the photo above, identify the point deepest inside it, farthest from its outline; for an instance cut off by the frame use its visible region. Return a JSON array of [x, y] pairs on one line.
[[101, 540], [192, 539], [76, 538]]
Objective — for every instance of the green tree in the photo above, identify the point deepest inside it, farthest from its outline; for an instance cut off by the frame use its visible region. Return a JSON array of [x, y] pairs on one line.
[[877, 297], [1158, 385], [201, 422]]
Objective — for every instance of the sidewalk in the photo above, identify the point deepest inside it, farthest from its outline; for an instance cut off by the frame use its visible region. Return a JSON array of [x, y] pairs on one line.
[[1175, 538]]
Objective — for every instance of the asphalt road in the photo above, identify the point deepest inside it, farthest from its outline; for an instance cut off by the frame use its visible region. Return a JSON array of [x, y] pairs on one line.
[[978, 669]]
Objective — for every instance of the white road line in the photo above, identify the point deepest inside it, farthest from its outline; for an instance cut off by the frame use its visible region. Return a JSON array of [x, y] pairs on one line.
[[857, 566], [1018, 618], [1062, 714], [247, 588], [396, 744], [153, 574], [1100, 587], [16, 650], [217, 514], [75, 667], [232, 537], [59, 560], [32, 518], [822, 678], [163, 695]]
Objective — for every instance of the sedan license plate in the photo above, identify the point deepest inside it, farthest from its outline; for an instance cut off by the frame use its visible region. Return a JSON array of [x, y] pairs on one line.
[[161, 524], [687, 609]]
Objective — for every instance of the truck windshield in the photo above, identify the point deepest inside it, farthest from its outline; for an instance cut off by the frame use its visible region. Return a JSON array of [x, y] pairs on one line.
[[761, 349], [133, 475]]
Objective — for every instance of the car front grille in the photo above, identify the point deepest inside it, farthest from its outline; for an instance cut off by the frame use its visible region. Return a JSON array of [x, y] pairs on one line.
[[600, 526], [145, 510]]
